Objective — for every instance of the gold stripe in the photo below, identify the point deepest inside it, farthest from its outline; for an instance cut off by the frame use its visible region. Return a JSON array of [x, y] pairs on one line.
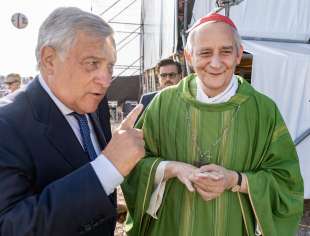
[[223, 160], [243, 214], [146, 190], [240, 98], [279, 131], [257, 219], [188, 223], [193, 128]]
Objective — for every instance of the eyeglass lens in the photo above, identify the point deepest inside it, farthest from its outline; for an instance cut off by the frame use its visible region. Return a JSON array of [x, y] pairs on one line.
[[171, 75]]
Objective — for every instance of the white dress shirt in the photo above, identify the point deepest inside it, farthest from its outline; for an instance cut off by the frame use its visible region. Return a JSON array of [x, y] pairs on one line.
[[220, 98], [106, 172]]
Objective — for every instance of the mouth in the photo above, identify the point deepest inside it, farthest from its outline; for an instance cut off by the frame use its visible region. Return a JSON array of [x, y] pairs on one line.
[[98, 94], [215, 74]]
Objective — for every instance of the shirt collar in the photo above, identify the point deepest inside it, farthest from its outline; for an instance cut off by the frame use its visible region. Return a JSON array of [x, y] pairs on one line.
[[62, 107], [222, 97]]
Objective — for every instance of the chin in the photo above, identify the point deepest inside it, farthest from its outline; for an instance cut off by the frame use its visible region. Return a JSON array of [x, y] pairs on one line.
[[90, 108]]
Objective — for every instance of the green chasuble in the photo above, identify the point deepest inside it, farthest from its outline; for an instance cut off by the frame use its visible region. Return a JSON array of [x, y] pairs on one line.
[[245, 134]]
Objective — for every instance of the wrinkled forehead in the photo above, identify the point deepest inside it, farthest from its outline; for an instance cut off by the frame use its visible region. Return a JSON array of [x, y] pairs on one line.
[[168, 68], [95, 45], [213, 33]]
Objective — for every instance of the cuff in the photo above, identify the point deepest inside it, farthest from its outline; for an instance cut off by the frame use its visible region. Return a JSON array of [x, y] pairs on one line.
[[107, 174], [157, 195]]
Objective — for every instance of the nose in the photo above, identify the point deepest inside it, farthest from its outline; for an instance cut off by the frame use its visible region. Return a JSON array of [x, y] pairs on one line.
[[215, 61], [104, 78], [169, 78]]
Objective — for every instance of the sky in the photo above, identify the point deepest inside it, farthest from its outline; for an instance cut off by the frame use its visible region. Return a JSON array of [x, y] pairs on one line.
[[17, 46]]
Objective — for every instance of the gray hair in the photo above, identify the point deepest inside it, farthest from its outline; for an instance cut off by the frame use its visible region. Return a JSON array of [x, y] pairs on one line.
[[191, 37], [60, 28]]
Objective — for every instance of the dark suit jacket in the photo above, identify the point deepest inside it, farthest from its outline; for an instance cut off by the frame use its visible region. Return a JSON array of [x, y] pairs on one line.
[[47, 186], [147, 98]]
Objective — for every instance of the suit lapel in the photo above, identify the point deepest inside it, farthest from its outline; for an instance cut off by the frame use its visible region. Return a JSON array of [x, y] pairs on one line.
[[59, 132], [98, 130], [64, 140]]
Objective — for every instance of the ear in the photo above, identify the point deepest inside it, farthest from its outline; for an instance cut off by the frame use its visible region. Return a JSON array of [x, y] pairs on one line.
[[188, 56], [239, 57], [48, 56]]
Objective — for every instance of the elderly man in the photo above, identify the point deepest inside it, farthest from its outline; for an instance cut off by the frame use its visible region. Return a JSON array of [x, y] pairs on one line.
[[220, 160], [13, 82], [169, 73], [58, 167]]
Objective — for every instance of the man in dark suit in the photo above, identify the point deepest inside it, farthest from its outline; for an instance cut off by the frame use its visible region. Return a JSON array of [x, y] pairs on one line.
[[58, 167], [169, 73]]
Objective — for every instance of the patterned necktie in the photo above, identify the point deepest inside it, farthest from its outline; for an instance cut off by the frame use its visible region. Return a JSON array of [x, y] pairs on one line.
[[85, 133]]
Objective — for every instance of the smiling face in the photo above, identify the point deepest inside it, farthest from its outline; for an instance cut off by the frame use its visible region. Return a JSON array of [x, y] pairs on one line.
[[80, 78], [214, 56]]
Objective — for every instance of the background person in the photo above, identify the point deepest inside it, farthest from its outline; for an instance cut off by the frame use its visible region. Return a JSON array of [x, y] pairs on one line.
[[13, 82], [169, 73]]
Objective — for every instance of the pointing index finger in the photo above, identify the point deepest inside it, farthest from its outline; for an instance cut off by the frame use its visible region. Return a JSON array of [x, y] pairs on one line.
[[131, 118]]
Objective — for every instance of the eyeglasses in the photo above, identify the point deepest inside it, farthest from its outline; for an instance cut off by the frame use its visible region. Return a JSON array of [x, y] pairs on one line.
[[171, 75], [10, 83]]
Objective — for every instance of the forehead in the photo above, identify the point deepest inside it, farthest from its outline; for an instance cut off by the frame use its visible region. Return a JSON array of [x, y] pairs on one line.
[[87, 45], [213, 34], [168, 68]]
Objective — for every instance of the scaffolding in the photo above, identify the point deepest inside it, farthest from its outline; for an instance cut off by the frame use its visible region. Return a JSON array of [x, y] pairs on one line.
[[116, 14]]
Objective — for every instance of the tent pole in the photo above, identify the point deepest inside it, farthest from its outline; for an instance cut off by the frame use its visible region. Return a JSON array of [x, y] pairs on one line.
[[183, 34]]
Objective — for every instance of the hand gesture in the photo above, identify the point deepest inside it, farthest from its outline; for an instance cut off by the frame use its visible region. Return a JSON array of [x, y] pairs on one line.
[[126, 147], [212, 180]]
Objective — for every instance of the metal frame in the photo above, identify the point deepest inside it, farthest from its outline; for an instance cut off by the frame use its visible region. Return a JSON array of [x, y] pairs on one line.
[[302, 137], [131, 35]]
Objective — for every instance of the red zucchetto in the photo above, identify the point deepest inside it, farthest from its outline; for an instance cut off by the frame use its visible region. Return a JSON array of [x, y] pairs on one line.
[[212, 17]]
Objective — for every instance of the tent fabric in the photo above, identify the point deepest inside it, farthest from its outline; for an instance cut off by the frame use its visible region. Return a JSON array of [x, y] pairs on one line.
[[282, 72], [160, 30], [285, 19], [304, 160]]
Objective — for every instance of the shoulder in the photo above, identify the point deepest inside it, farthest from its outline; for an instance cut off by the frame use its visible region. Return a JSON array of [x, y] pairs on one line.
[[260, 99], [13, 104], [24, 107], [149, 95], [261, 105], [175, 91]]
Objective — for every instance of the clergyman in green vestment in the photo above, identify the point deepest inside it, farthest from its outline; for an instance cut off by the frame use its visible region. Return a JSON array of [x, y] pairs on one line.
[[219, 158]]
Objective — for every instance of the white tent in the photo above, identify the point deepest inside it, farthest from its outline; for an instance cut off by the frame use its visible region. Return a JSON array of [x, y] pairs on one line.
[[282, 72], [159, 18], [281, 66], [275, 19]]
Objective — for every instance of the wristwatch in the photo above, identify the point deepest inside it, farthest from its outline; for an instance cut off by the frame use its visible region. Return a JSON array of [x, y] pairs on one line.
[[237, 187]]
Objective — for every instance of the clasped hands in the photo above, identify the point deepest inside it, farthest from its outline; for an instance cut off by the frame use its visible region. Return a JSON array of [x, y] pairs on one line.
[[210, 181]]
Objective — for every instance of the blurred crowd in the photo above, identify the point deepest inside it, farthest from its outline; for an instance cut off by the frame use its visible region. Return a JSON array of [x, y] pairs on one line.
[[12, 82]]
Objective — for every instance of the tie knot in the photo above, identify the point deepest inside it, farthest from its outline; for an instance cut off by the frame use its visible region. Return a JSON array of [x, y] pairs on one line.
[[79, 117]]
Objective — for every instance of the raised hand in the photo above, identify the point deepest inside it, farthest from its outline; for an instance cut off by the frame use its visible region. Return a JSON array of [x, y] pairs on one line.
[[126, 147]]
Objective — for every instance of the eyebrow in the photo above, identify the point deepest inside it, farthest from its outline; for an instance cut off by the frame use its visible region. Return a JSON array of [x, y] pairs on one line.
[[91, 58], [228, 47], [96, 58]]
